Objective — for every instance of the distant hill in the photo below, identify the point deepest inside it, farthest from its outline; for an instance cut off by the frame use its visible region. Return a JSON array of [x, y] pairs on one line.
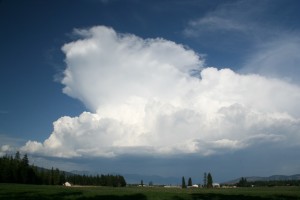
[[87, 173], [156, 180], [269, 178], [48, 170]]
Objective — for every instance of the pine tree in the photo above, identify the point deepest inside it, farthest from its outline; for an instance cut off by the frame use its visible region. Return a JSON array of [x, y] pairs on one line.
[[17, 156], [25, 161], [204, 179], [24, 170], [183, 185], [122, 181], [62, 178], [52, 176], [190, 183], [56, 177], [243, 182], [150, 183], [209, 181]]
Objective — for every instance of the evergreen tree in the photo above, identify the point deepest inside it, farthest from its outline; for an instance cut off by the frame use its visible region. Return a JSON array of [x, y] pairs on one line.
[[243, 182], [109, 180], [204, 179], [52, 177], [17, 170], [183, 185], [209, 181], [56, 176], [142, 183], [190, 183], [17, 156], [62, 178], [25, 161], [150, 183], [122, 181]]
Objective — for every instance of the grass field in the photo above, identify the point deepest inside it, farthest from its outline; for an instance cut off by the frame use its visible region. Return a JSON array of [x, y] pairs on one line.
[[40, 192]]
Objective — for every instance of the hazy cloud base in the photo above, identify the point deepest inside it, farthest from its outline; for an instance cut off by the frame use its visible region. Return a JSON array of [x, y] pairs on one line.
[[142, 100]]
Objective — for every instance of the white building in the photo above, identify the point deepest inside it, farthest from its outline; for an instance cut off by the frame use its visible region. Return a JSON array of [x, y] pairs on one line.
[[67, 184], [216, 185]]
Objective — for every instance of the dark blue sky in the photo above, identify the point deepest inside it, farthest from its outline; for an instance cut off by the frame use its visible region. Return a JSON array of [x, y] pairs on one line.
[[33, 33], [248, 37]]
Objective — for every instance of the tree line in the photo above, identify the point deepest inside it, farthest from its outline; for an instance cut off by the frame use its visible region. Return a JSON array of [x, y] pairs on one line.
[[207, 181], [17, 170], [244, 183], [98, 180]]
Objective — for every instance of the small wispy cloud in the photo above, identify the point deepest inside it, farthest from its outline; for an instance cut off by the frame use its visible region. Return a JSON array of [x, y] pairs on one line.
[[199, 27], [229, 18]]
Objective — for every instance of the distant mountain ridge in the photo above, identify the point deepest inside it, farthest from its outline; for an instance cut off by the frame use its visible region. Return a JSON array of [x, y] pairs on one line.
[[155, 179], [160, 180], [87, 173], [269, 178]]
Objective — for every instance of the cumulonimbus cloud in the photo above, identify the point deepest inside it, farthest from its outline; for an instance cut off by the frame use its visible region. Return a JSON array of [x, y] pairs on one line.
[[142, 99]]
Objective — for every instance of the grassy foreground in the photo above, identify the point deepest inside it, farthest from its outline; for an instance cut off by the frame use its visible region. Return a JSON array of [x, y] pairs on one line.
[[41, 192]]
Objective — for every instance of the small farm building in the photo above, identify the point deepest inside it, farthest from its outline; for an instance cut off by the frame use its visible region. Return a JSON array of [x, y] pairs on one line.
[[67, 184]]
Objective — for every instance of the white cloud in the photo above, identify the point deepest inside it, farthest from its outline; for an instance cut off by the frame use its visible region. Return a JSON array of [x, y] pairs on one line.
[[119, 66], [5, 149], [8, 144], [142, 100]]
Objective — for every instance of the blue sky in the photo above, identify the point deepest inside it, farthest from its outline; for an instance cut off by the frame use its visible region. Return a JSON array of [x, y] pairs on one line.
[[108, 83]]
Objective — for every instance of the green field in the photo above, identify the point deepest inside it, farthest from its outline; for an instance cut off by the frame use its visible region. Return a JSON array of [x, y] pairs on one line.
[[40, 192]]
